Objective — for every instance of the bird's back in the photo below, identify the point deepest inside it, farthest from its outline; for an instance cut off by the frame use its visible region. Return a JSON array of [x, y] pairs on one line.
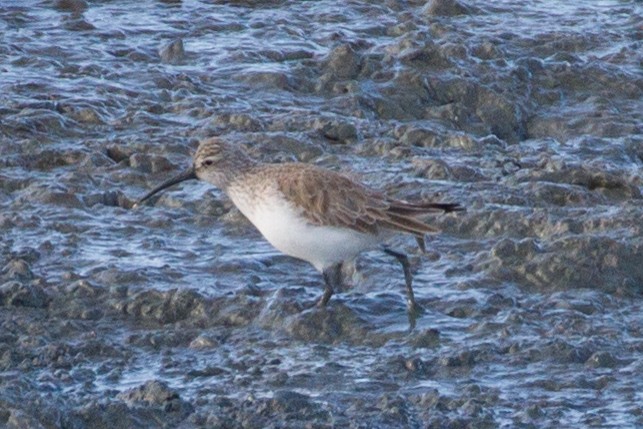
[[326, 197]]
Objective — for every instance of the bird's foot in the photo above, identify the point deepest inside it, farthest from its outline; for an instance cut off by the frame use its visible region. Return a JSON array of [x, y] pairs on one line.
[[414, 311], [320, 304]]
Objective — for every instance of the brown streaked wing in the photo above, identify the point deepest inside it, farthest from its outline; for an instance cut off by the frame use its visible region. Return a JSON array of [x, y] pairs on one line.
[[329, 198]]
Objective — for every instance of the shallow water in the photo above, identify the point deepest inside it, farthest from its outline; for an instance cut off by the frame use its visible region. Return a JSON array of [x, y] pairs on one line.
[[528, 113]]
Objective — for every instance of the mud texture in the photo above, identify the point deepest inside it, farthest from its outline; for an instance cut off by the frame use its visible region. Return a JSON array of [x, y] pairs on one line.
[[179, 315]]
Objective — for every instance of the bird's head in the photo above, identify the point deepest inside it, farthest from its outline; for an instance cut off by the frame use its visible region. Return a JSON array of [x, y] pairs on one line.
[[216, 161]]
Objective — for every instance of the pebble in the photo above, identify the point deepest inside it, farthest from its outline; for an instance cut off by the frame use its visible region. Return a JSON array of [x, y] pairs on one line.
[[17, 269], [446, 8], [173, 52], [21, 295]]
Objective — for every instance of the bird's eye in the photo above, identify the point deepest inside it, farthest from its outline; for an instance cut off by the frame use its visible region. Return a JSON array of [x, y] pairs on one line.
[[208, 162]]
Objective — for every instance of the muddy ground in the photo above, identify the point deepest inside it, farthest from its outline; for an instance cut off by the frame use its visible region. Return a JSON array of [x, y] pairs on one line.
[[178, 313]]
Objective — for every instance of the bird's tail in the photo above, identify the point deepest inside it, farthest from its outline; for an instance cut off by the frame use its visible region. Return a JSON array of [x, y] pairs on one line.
[[418, 209], [403, 215]]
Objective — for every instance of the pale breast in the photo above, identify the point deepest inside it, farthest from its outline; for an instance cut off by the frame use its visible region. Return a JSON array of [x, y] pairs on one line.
[[283, 225]]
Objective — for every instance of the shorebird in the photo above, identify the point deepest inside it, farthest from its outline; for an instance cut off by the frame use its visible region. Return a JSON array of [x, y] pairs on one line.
[[309, 212]]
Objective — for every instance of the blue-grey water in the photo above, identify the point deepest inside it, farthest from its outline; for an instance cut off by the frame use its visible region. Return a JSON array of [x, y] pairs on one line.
[[179, 314]]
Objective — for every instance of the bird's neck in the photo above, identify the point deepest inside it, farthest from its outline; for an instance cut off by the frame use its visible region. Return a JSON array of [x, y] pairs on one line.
[[234, 165]]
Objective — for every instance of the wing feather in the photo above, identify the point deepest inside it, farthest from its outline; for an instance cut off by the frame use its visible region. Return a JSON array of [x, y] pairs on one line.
[[326, 197]]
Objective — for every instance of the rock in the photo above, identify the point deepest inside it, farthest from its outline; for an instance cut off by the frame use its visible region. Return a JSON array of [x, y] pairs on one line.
[[426, 56], [108, 414], [87, 115], [84, 289], [416, 367], [153, 392], [109, 198], [150, 163], [602, 359], [330, 325], [78, 23], [343, 62], [573, 261], [433, 169], [285, 409], [64, 199], [23, 295], [119, 152], [521, 250], [395, 409], [173, 52], [446, 8], [18, 419], [237, 121], [75, 6], [165, 307], [464, 358], [486, 51], [17, 269], [415, 136], [336, 131], [286, 401], [204, 342], [270, 79], [426, 338], [501, 115]]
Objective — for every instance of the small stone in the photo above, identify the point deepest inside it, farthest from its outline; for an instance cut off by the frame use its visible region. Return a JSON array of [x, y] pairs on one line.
[[19, 419], [340, 132], [426, 338], [119, 153], [77, 23], [152, 392], [204, 342], [420, 137], [601, 360], [434, 169], [88, 115], [289, 401], [343, 62], [23, 295], [463, 359], [173, 52], [208, 371], [76, 6], [446, 8], [534, 412], [17, 269], [414, 365], [149, 164]]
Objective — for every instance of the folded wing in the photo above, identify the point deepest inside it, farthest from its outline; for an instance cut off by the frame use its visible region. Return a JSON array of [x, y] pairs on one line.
[[344, 203]]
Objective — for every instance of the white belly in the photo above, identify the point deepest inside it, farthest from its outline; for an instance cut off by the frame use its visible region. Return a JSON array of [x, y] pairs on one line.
[[289, 232]]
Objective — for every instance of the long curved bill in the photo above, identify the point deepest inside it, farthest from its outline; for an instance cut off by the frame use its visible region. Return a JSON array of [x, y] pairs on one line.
[[189, 174]]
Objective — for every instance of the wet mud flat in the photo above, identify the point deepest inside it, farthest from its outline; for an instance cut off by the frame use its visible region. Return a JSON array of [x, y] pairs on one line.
[[178, 314]]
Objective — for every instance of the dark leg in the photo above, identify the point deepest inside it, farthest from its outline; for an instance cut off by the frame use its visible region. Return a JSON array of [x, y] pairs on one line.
[[421, 244], [414, 309], [332, 278]]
